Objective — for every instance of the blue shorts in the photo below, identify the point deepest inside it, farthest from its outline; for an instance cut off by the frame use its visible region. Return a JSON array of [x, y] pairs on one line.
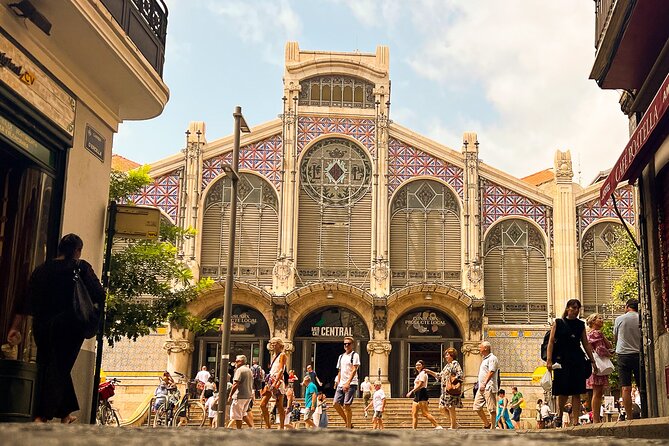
[[516, 411], [345, 398]]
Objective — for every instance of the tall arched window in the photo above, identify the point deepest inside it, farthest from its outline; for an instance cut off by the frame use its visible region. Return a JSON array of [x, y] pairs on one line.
[[257, 230], [337, 91], [515, 274], [335, 206], [425, 235], [596, 279]]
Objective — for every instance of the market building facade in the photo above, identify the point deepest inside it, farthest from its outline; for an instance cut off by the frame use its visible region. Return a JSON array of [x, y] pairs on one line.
[[350, 224]]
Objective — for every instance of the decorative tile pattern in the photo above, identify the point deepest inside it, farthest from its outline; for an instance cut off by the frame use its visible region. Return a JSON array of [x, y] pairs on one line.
[[405, 161], [311, 127], [591, 211], [163, 193], [263, 157], [515, 349], [143, 355], [498, 202]]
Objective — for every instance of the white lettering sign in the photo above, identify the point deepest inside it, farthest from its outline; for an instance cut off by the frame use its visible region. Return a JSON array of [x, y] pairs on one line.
[[334, 332]]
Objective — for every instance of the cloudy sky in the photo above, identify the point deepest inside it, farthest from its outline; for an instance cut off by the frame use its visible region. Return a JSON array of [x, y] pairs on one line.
[[513, 71]]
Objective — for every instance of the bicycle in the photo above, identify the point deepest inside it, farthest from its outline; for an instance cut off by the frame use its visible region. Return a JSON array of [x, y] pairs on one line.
[[106, 414], [176, 410]]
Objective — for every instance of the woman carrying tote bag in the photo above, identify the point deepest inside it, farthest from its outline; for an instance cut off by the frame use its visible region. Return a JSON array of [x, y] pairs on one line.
[[601, 348]]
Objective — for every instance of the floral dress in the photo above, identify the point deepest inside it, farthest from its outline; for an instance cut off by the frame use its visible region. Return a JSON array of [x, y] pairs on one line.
[[447, 400], [598, 343]]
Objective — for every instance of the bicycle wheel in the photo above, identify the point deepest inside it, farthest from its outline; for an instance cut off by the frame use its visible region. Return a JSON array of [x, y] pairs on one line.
[[160, 417], [112, 416], [100, 416], [196, 414]]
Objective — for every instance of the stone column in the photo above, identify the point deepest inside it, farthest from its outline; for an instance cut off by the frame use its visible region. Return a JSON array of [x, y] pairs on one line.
[[472, 281], [471, 359], [179, 351], [379, 351], [565, 254]]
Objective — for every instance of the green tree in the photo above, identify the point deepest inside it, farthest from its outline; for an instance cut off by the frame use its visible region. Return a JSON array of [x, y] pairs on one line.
[[148, 284], [624, 257]]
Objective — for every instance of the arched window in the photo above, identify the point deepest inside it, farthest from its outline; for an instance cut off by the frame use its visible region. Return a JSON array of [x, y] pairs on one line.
[[425, 235], [335, 207], [257, 230], [596, 279], [515, 274], [337, 91]]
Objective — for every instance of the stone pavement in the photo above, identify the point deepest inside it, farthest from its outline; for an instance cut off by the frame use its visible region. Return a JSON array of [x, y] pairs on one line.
[[57, 434]]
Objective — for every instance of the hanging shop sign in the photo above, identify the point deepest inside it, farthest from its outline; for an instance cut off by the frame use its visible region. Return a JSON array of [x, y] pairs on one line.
[[333, 323], [29, 81], [140, 222]]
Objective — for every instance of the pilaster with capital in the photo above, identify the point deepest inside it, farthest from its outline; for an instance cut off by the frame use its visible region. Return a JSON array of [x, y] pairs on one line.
[[179, 347], [471, 359], [379, 351], [472, 280], [565, 254], [191, 191]]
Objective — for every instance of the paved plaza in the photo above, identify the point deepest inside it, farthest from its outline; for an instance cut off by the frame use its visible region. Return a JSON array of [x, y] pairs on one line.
[[56, 434]]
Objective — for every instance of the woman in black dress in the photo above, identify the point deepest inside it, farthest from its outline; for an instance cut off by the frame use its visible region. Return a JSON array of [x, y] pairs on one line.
[[57, 332], [564, 347]]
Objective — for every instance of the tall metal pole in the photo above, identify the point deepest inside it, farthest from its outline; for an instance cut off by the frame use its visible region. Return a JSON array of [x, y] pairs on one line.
[[229, 276]]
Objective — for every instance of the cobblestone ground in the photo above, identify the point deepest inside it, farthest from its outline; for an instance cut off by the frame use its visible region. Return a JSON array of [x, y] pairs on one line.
[[55, 434]]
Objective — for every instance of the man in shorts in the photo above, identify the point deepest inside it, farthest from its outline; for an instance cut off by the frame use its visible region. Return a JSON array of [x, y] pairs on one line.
[[347, 381], [241, 393], [310, 400], [627, 334], [515, 407], [487, 381], [378, 403]]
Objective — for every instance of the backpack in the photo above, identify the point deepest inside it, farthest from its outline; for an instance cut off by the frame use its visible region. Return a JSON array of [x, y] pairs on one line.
[[257, 373], [352, 356], [544, 346], [499, 378]]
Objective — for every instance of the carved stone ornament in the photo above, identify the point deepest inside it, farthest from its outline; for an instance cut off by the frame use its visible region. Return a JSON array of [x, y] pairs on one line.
[[283, 269], [470, 348], [379, 347], [563, 167], [380, 318], [380, 270], [280, 313], [475, 320], [178, 346], [288, 347], [474, 273]]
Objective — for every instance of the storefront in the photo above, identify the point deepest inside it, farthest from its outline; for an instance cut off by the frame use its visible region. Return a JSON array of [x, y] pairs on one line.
[[318, 341], [420, 334], [250, 333]]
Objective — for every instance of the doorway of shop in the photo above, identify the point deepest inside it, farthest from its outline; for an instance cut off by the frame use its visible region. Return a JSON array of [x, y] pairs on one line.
[[325, 355]]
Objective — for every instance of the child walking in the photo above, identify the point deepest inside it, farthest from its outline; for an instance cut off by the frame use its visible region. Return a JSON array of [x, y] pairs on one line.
[[379, 405]]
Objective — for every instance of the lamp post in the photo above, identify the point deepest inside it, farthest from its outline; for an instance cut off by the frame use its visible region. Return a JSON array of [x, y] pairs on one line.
[[233, 172]]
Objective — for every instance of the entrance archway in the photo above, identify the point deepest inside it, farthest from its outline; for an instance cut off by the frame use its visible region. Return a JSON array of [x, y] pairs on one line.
[[421, 333], [249, 335], [318, 341]]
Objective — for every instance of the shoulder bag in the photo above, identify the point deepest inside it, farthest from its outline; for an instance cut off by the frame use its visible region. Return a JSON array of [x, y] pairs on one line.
[[86, 312]]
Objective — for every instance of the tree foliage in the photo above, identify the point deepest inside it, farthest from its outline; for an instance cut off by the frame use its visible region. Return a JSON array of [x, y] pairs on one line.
[[148, 284], [624, 257]]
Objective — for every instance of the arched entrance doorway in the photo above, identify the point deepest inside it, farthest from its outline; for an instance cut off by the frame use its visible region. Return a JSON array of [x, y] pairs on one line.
[[249, 335], [318, 341], [421, 333]]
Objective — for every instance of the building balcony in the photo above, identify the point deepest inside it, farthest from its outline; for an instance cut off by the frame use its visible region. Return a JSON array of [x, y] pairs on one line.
[[630, 36], [145, 22]]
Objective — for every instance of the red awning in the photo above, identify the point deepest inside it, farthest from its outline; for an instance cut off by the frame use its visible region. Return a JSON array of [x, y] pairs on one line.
[[637, 151]]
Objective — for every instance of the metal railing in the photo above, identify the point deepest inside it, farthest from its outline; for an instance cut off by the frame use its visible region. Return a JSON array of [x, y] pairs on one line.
[[603, 10], [145, 22]]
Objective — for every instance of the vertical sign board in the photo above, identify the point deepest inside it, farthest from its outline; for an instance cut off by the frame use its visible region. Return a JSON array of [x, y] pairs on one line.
[[137, 222]]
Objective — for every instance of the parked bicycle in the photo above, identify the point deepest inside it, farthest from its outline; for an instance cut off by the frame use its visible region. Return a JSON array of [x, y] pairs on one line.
[[175, 410], [106, 414]]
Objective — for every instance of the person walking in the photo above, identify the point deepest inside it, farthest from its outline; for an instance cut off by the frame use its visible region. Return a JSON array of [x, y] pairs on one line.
[[347, 381], [516, 407], [310, 401], [420, 397], [366, 390], [314, 377], [57, 331], [258, 375], [241, 392], [275, 387], [487, 382], [378, 405], [567, 335], [503, 421], [450, 375], [321, 415], [627, 335], [602, 347]]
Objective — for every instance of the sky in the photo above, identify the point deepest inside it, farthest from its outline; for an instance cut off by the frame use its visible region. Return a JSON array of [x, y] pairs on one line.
[[514, 71]]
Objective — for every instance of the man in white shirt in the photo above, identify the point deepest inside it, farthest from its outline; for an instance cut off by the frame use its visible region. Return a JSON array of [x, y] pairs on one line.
[[487, 381], [203, 375], [347, 381]]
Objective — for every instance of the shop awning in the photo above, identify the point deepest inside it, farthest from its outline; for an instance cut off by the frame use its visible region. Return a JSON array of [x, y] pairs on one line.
[[639, 149]]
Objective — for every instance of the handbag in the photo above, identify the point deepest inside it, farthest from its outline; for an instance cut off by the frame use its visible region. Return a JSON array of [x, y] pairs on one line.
[[603, 363], [86, 312], [454, 386]]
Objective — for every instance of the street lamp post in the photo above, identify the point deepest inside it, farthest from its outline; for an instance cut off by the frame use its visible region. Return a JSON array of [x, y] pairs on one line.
[[233, 172]]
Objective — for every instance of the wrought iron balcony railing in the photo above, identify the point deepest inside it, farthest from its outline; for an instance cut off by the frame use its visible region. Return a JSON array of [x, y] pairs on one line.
[[145, 22], [603, 12]]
